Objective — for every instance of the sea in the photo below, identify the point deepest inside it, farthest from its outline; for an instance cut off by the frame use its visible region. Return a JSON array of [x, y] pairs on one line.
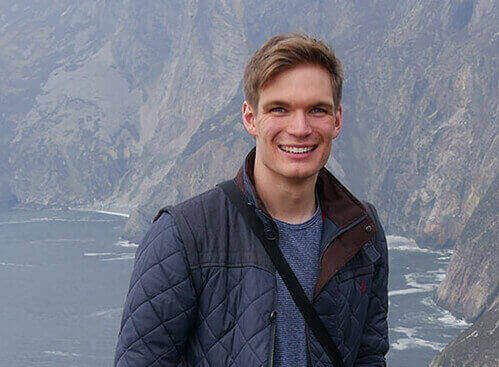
[[64, 275]]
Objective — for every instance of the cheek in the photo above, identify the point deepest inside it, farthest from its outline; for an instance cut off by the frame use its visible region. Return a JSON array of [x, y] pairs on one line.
[[270, 132]]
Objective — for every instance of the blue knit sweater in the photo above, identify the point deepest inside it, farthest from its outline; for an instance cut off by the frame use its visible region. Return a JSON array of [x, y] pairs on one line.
[[300, 244]]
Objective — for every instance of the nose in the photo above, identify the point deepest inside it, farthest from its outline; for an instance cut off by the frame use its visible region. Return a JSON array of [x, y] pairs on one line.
[[299, 125]]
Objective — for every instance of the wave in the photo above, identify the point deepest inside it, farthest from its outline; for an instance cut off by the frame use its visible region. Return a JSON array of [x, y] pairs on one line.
[[110, 313], [47, 219], [110, 256], [127, 256], [125, 215], [16, 265], [108, 212], [60, 353], [444, 316], [399, 292], [400, 243], [92, 254], [438, 275], [394, 238], [125, 243], [411, 341], [412, 280]]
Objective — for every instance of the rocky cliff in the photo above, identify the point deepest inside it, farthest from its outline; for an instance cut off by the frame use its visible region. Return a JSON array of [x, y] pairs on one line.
[[471, 288], [108, 97], [472, 281], [477, 346]]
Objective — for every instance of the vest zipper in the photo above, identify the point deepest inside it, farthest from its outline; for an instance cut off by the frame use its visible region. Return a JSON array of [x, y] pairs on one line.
[[307, 342], [272, 343]]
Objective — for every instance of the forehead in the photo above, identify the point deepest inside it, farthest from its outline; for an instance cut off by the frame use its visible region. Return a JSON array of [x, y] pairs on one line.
[[301, 84]]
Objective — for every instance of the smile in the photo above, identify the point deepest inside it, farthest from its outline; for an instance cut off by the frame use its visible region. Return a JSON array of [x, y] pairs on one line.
[[297, 150]]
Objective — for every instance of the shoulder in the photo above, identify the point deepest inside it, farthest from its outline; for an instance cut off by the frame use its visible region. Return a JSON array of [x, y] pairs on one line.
[[200, 213], [193, 221], [161, 234], [373, 213], [203, 200], [379, 237]]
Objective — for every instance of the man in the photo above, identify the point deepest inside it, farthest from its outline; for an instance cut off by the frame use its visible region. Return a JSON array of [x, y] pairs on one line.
[[203, 290]]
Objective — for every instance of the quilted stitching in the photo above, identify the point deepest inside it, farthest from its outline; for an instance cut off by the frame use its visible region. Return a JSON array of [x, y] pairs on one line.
[[215, 315], [159, 303], [350, 316], [219, 325]]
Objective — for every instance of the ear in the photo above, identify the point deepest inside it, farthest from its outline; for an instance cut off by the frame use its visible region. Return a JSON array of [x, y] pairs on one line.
[[338, 121], [249, 118]]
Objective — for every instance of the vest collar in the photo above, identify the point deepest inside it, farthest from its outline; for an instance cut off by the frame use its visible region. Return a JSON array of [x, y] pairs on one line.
[[354, 225]]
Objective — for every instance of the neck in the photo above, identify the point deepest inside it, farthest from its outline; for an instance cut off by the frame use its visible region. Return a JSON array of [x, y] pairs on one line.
[[287, 200]]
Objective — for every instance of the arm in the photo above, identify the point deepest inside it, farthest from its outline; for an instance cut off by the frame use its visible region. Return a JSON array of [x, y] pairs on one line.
[[159, 309], [374, 344]]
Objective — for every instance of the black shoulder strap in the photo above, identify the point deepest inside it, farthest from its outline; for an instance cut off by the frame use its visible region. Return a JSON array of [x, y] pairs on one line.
[[161, 211], [295, 289]]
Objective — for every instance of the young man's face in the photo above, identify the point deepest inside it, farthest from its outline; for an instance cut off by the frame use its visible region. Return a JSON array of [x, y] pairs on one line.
[[295, 123]]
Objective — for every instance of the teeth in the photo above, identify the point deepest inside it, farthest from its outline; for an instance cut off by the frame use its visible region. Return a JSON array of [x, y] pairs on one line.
[[296, 150]]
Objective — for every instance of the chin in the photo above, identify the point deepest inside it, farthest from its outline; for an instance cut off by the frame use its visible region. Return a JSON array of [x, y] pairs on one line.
[[298, 174]]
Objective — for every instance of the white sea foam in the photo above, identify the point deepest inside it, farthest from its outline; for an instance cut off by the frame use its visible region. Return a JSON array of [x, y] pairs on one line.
[[412, 281], [446, 256], [46, 219], [98, 253], [449, 319], [126, 256], [410, 332], [402, 292], [60, 353], [16, 265], [417, 287], [443, 316], [394, 238], [110, 256], [108, 212], [438, 275], [59, 241], [125, 215], [126, 244], [400, 243], [107, 314], [410, 343]]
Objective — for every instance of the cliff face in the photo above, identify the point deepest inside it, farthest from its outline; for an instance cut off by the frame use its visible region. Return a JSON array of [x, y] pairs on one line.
[[102, 100], [478, 346], [472, 281]]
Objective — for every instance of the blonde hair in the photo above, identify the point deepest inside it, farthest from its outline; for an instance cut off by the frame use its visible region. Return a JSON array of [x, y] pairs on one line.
[[284, 52]]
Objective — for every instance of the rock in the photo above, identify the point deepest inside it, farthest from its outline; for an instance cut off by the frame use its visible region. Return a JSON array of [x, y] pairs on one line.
[[477, 346], [472, 279]]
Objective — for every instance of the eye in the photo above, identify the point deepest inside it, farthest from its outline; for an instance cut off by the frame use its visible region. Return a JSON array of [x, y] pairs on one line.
[[318, 110], [278, 110]]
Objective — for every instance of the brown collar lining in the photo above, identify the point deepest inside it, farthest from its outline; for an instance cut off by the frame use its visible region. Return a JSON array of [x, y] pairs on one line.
[[339, 205]]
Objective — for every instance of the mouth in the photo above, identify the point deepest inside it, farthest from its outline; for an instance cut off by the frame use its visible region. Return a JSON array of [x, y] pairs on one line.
[[297, 150]]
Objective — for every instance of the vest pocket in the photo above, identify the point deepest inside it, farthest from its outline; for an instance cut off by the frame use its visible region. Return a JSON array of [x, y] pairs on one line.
[[349, 273]]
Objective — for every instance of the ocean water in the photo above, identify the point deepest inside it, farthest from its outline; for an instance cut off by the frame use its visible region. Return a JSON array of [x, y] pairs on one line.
[[64, 277]]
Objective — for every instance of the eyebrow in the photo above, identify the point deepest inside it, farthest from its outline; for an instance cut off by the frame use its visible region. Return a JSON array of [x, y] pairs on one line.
[[271, 104], [276, 103], [327, 105]]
